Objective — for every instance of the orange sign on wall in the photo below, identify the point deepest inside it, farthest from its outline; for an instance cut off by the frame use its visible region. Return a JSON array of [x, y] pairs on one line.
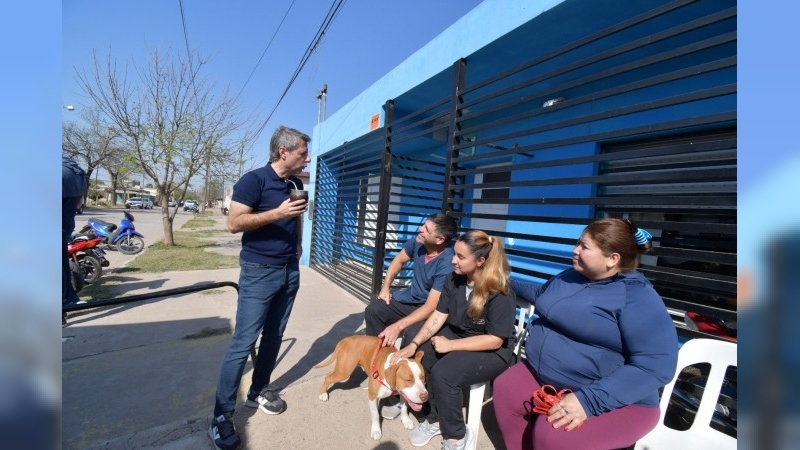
[[375, 121]]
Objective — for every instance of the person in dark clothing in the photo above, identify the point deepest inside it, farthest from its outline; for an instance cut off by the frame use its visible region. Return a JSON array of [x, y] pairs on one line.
[[604, 334], [467, 340], [270, 223], [73, 188]]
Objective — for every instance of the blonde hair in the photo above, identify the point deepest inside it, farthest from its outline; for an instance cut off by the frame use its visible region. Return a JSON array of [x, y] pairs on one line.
[[493, 276]]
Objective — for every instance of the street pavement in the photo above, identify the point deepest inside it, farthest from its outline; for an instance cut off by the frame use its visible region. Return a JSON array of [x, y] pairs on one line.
[[144, 375]]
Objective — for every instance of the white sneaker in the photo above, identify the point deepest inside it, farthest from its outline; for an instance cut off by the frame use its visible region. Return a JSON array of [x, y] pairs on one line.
[[458, 444], [391, 412], [421, 435]]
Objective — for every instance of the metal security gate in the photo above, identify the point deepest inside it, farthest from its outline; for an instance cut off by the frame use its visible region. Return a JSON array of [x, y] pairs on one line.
[[370, 199], [685, 187], [634, 120]]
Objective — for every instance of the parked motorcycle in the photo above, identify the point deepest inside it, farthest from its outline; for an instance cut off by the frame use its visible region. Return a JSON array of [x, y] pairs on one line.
[[76, 276], [85, 251], [125, 237]]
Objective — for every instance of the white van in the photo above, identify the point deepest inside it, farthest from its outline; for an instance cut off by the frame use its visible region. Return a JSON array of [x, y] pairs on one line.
[[139, 202]]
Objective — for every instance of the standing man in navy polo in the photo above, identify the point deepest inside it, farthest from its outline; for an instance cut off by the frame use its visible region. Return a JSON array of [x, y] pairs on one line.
[[269, 278]]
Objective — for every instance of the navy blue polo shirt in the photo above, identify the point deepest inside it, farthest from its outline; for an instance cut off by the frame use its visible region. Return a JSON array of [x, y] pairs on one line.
[[275, 243]]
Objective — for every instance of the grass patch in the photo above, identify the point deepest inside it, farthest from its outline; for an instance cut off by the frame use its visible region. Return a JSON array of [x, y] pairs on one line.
[[188, 253], [207, 233], [200, 221], [102, 289]]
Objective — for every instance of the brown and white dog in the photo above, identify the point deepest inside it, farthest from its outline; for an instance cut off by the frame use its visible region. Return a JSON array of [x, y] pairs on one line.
[[406, 377]]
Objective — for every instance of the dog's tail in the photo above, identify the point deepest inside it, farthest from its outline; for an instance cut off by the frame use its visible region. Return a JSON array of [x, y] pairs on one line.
[[327, 362], [331, 358]]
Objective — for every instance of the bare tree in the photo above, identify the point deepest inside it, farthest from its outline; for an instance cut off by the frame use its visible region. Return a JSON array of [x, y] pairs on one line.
[[119, 164], [170, 120], [91, 144]]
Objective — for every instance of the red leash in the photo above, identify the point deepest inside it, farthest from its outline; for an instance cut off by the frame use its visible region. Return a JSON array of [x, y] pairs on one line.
[[374, 367], [546, 397]]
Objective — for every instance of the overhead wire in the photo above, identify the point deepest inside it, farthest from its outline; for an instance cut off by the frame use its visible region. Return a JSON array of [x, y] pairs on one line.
[[331, 15], [265, 50], [185, 33], [333, 12], [188, 48]]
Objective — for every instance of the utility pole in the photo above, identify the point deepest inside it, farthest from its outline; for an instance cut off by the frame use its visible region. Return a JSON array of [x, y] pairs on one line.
[[205, 181], [241, 159], [96, 185], [321, 99]]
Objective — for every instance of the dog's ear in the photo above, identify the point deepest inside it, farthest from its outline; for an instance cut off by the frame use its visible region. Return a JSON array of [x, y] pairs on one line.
[[418, 356], [390, 374]]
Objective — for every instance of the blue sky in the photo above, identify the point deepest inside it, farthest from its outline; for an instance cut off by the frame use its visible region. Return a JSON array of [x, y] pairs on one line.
[[365, 40]]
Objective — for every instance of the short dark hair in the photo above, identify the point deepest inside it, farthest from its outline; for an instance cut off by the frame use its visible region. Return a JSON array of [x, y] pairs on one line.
[[446, 226]]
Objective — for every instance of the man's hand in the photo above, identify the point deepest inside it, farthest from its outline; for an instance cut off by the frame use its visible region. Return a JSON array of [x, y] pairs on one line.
[[290, 208], [390, 334], [385, 295]]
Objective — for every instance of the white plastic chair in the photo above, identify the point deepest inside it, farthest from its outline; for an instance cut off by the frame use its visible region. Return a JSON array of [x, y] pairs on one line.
[[720, 354], [480, 393]]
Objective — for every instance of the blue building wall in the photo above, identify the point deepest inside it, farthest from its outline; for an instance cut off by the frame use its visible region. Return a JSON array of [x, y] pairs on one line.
[[487, 22], [526, 30]]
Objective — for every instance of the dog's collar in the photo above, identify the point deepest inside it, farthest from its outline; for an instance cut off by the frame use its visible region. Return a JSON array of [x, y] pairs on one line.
[[374, 368]]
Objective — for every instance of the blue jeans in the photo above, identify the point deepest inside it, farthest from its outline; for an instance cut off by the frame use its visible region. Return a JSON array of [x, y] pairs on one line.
[[266, 297]]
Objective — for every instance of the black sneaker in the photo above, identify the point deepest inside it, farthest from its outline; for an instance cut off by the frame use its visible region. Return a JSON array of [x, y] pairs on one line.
[[268, 401], [223, 433]]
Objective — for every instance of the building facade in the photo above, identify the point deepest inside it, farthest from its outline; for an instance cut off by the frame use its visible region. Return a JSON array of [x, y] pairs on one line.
[[567, 111]]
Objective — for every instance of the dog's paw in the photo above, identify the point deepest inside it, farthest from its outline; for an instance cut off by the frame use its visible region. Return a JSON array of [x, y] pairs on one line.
[[407, 423], [375, 434], [323, 397]]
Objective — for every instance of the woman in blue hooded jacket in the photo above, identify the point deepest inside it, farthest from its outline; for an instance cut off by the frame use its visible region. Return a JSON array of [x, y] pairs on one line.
[[604, 334]]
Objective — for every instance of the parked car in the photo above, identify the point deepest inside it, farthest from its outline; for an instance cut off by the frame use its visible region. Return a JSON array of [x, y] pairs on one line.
[[139, 202], [191, 205], [171, 203]]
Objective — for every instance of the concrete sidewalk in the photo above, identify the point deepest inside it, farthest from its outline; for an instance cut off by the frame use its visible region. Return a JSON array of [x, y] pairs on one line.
[[144, 375]]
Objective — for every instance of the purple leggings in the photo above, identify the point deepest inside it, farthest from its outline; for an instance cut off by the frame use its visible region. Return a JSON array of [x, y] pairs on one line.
[[513, 390]]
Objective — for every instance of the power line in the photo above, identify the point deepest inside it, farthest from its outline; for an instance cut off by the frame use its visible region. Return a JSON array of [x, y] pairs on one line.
[[185, 34], [188, 50], [265, 51], [332, 13]]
